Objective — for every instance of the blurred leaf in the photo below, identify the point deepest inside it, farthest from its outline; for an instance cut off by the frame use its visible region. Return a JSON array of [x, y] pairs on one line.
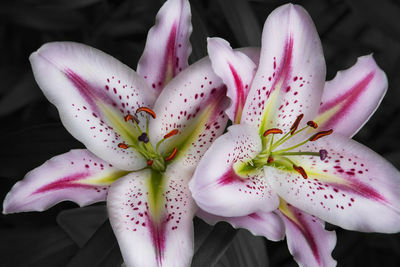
[[31, 247], [33, 145], [63, 3], [46, 19], [245, 250], [242, 21], [23, 93], [81, 223], [102, 247], [214, 246]]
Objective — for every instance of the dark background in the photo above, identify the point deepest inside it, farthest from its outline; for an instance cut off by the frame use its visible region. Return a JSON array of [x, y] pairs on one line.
[[32, 133]]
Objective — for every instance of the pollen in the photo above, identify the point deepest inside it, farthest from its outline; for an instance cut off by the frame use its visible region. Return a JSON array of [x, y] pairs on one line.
[[150, 162], [147, 110], [312, 124], [319, 135], [130, 117], [296, 123], [172, 155], [171, 133], [123, 146], [273, 131], [300, 170]]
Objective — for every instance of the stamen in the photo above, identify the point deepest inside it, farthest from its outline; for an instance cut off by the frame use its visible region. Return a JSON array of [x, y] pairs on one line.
[[296, 124], [323, 154], [130, 117], [312, 124], [144, 138], [319, 135], [300, 170], [149, 162], [172, 155], [147, 110], [270, 159], [171, 133], [123, 146], [272, 131]]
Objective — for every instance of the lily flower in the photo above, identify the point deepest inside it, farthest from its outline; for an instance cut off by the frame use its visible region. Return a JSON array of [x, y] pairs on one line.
[[290, 152], [141, 150]]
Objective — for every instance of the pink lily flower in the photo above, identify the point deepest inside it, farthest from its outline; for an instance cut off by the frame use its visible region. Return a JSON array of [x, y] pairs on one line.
[[141, 150], [290, 153]]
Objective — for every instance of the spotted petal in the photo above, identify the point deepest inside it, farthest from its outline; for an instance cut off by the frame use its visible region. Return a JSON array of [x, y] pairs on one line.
[[193, 103], [267, 224], [236, 70], [167, 47], [353, 187], [351, 98], [151, 215], [308, 241], [217, 186], [291, 73], [77, 175], [93, 92]]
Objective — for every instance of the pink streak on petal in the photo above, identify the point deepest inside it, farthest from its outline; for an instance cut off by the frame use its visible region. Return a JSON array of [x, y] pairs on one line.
[[169, 57], [306, 231], [157, 232], [240, 93], [230, 177], [347, 99], [360, 189], [284, 70], [65, 182]]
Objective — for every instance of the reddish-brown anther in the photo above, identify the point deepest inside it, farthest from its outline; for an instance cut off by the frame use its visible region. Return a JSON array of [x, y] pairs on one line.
[[300, 170], [172, 155], [123, 146], [171, 133], [130, 117], [319, 135], [147, 110], [149, 162], [296, 123], [270, 159], [272, 131], [312, 124]]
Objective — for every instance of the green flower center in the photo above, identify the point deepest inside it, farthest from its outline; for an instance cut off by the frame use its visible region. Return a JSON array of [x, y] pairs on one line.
[[155, 159], [271, 156]]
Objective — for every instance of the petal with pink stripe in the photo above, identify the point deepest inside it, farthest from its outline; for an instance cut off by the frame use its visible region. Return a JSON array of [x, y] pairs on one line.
[[353, 187], [267, 224], [224, 184], [167, 47], [93, 92], [151, 215], [193, 103], [78, 176], [236, 70], [351, 98], [291, 73], [309, 243]]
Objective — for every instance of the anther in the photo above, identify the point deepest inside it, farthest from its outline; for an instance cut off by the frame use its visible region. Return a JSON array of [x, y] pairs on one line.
[[143, 138], [323, 154], [147, 110], [319, 135], [270, 159], [123, 146], [129, 117], [172, 155], [149, 162], [171, 133], [272, 131], [296, 124], [312, 124], [300, 170]]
